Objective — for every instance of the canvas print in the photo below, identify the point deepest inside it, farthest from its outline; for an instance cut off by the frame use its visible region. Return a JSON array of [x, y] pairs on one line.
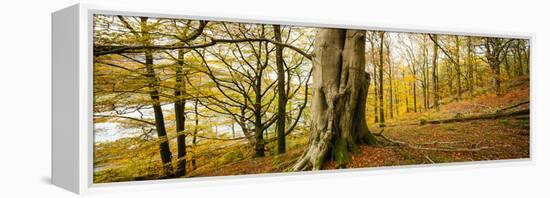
[[181, 98]]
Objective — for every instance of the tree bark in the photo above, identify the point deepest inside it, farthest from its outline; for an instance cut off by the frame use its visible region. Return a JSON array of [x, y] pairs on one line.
[[165, 153], [388, 55], [381, 79], [414, 89], [194, 140], [425, 78], [434, 74], [259, 146], [470, 67], [457, 68], [492, 51], [519, 58], [282, 100], [340, 86], [179, 110], [373, 57]]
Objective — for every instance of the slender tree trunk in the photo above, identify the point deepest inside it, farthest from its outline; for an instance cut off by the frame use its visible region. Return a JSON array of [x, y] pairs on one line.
[[397, 96], [373, 58], [381, 79], [376, 120], [494, 64], [427, 79], [340, 87], [233, 129], [258, 126], [492, 51], [457, 67], [470, 68], [434, 74], [414, 89], [165, 153], [507, 65], [281, 111], [194, 140], [450, 78], [407, 95], [179, 110], [527, 54], [520, 61], [388, 53]]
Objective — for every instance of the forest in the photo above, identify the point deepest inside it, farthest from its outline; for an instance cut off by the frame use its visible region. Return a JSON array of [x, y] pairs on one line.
[[181, 98]]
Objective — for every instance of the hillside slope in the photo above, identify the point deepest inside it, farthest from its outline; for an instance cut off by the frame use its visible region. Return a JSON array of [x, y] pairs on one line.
[[502, 138]]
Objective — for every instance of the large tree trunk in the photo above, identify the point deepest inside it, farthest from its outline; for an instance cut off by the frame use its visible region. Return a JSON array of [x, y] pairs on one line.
[[281, 109], [340, 86], [179, 110]]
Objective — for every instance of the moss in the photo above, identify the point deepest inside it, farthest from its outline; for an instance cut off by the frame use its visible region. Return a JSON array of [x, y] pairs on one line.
[[406, 155], [524, 124], [319, 163], [231, 157], [506, 122], [422, 121], [341, 154], [370, 139], [441, 159]]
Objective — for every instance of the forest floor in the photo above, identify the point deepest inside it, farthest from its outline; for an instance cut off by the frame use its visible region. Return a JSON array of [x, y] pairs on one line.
[[478, 140]]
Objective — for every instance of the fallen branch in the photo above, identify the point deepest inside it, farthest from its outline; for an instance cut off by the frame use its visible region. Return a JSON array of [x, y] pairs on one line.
[[446, 149], [512, 106], [437, 142], [480, 117], [428, 158]]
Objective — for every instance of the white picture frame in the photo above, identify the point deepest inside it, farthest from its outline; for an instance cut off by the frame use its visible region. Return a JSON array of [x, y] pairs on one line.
[[72, 100]]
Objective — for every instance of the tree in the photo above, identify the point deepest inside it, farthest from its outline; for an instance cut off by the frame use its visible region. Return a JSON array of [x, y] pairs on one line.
[[281, 112], [390, 75], [179, 111], [434, 73], [165, 153], [494, 48], [244, 80], [340, 86], [371, 36], [411, 62], [425, 80], [381, 78], [470, 63], [519, 54], [457, 67]]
